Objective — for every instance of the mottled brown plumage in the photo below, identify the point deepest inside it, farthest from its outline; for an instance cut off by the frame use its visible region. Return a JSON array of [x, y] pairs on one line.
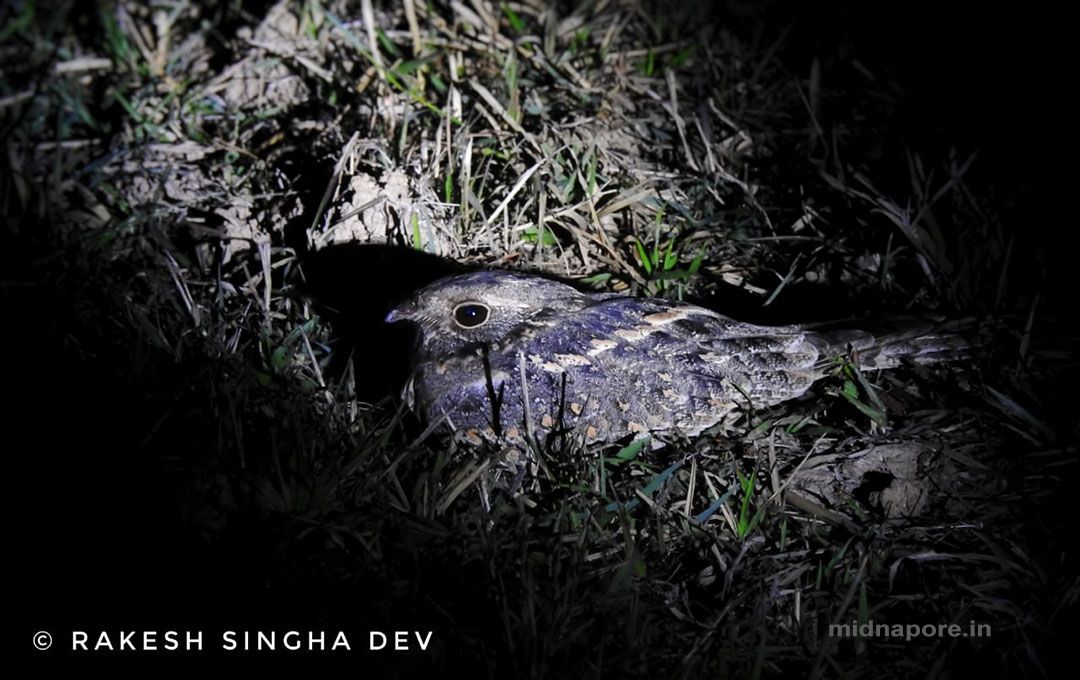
[[496, 346]]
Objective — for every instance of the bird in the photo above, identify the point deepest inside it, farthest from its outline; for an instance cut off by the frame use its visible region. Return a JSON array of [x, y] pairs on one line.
[[505, 355]]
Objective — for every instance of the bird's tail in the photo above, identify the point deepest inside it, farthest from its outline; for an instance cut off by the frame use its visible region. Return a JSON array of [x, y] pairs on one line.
[[896, 342]]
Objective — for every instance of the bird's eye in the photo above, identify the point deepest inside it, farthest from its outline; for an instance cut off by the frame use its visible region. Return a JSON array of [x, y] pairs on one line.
[[470, 314]]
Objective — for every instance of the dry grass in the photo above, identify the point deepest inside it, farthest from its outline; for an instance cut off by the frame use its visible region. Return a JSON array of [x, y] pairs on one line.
[[208, 212]]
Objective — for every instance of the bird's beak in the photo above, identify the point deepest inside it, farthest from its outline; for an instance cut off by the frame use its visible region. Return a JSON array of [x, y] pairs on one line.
[[403, 312]]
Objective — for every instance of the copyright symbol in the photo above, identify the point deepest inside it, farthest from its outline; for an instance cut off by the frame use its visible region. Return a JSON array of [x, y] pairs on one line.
[[42, 640]]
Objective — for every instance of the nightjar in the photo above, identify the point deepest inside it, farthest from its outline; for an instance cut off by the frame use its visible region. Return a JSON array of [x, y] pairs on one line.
[[507, 354]]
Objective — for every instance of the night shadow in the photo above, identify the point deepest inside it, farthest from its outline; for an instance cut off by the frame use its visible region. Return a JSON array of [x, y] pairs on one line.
[[354, 286]]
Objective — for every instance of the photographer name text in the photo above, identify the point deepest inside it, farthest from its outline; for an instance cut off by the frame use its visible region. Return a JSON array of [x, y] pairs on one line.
[[249, 641]]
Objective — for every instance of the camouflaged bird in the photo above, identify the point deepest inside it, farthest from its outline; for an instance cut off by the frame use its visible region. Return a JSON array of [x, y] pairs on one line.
[[502, 353]]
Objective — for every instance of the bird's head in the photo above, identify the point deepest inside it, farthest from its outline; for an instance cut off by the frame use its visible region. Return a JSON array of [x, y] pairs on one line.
[[480, 307]]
